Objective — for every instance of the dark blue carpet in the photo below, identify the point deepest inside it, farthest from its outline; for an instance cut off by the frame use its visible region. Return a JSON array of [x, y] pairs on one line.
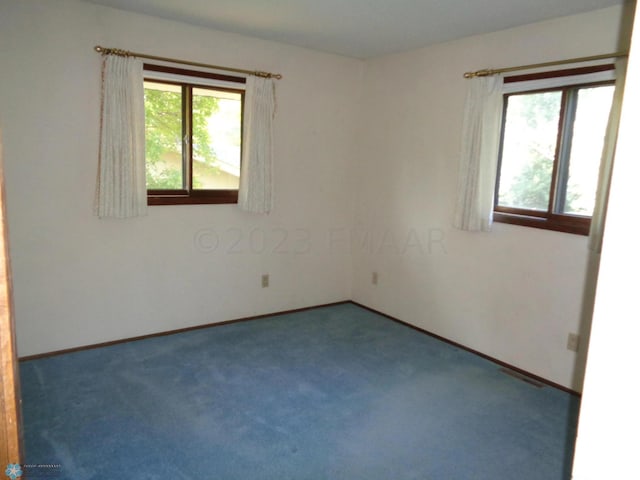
[[332, 393]]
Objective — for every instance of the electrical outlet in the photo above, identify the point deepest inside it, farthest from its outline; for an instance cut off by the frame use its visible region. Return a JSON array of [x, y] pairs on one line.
[[374, 278], [573, 342], [265, 280]]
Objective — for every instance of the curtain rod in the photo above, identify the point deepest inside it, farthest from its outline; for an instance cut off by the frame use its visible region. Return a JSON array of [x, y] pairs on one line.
[[487, 72], [125, 53]]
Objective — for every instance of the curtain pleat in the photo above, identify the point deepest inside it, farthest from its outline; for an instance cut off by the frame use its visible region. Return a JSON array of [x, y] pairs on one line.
[[121, 186], [256, 183], [479, 154], [606, 164]]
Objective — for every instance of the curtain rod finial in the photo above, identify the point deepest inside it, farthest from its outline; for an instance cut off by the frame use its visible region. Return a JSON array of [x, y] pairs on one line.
[[98, 48], [259, 73], [487, 72]]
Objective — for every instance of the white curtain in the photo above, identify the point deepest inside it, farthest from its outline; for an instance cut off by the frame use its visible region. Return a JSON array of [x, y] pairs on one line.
[[255, 194], [479, 154], [606, 164], [121, 186]]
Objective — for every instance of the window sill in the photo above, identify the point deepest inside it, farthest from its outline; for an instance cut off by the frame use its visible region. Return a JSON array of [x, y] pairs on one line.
[[557, 223], [195, 198]]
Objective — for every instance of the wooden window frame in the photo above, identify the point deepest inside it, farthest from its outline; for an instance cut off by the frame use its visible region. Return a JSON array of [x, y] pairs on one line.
[[549, 220], [189, 195]]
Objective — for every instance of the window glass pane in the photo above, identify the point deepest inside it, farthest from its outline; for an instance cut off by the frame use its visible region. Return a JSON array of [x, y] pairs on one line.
[[528, 151], [592, 115], [216, 139], [163, 134]]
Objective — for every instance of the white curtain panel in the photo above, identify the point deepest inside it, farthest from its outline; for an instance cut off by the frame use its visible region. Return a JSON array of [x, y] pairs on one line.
[[256, 184], [479, 154], [606, 164], [121, 186]]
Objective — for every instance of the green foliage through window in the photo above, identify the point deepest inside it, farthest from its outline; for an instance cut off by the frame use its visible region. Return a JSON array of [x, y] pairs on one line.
[[165, 132], [553, 134]]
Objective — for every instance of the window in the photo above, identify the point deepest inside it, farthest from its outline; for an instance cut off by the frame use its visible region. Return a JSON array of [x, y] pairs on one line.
[[551, 147], [193, 133]]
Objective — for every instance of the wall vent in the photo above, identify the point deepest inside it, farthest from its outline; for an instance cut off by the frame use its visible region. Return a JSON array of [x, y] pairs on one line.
[[522, 377]]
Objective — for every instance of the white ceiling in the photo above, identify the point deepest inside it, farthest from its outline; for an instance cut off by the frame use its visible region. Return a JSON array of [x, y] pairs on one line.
[[359, 28]]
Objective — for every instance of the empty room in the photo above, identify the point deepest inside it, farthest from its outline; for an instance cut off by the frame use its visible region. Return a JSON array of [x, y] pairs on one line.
[[317, 239]]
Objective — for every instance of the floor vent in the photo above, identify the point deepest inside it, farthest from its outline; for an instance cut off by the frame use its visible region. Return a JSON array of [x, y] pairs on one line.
[[524, 378]]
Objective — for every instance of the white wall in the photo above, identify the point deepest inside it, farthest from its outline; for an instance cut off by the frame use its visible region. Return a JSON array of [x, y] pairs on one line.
[[513, 294], [80, 280]]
